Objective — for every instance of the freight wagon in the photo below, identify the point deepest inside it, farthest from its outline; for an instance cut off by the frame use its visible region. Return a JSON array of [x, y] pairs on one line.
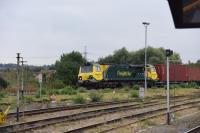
[[178, 73]]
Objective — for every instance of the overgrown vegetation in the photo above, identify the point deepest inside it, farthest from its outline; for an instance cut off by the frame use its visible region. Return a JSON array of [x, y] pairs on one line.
[[136, 87], [82, 89], [95, 97], [147, 123], [67, 67], [134, 94], [78, 99], [68, 90], [26, 99], [43, 92], [185, 85], [3, 83], [2, 95]]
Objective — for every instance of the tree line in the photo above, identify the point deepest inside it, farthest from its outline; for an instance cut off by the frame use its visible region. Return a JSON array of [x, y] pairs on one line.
[[67, 67]]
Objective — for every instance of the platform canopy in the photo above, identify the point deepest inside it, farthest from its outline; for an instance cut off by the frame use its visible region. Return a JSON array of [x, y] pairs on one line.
[[185, 13]]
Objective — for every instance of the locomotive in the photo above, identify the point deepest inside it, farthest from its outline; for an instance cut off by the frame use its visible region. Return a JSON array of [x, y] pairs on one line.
[[114, 75], [117, 75]]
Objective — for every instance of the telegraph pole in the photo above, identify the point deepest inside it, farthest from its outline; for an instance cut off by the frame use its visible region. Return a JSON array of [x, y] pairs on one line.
[[18, 85], [22, 78], [145, 66], [85, 53]]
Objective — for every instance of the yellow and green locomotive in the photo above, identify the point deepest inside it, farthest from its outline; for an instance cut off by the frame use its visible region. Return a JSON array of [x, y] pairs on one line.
[[114, 75]]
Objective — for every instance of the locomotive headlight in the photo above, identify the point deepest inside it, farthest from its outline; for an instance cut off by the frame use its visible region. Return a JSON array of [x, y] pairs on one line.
[[80, 78]]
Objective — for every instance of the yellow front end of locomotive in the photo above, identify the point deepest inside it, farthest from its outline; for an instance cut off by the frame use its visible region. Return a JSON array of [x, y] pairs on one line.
[[92, 73], [151, 73]]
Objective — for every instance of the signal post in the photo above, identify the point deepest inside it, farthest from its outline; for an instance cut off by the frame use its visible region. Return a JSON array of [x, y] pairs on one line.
[[168, 54]]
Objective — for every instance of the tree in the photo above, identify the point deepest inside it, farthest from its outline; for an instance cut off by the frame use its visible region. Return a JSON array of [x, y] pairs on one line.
[[119, 57], [194, 64], [67, 67], [154, 56], [3, 83]]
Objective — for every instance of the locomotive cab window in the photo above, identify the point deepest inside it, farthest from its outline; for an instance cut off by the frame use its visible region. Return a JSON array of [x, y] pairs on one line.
[[98, 69], [153, 69], [86, 69]]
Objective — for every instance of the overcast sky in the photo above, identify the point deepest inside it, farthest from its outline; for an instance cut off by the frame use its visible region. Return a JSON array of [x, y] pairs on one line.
[[41, 30]]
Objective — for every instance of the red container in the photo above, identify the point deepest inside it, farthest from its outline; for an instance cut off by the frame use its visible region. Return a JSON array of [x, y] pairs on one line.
[[193, 73], [177, 72]]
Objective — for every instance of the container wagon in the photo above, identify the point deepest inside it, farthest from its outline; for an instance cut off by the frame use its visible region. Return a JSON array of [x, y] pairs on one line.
[[178, 73]]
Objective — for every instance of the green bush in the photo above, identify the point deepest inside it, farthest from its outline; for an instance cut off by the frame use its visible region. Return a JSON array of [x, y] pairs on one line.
[[57, 84], [136, 87], [197, 87], [27, 99], [95, 97], [43, 92], [193, 85], [134, 94], [68, 90], [172, 86], [3, 94], [79, 99], [82, 89], [183, 85], [45, 100], [126, 88], [54, 91]]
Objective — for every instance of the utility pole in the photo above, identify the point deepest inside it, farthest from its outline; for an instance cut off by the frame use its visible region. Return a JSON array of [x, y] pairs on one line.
[[18, 85], [145, 58], [168, 54], [85, 53], [22, 78]]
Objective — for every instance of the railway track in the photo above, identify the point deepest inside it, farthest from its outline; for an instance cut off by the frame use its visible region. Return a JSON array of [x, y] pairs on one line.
[[139, 116], [194, 130], [80, 116], [73, 107]]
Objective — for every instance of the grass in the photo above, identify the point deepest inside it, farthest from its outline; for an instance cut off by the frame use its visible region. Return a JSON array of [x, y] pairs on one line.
[[134, 94], [147, 123], [95, 97], [68, 95], [2, 95], [68, 90], [79, 99]]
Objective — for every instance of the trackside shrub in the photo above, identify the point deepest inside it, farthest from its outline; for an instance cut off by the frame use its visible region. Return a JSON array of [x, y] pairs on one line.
[[134, 94], [136, 87], [183, 85], [43, 92], [27, 99], [79, 99], [68, 90], [95, 97], [2, 94], [82, 89], [54, 91], [192, 85], [45, 100]]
